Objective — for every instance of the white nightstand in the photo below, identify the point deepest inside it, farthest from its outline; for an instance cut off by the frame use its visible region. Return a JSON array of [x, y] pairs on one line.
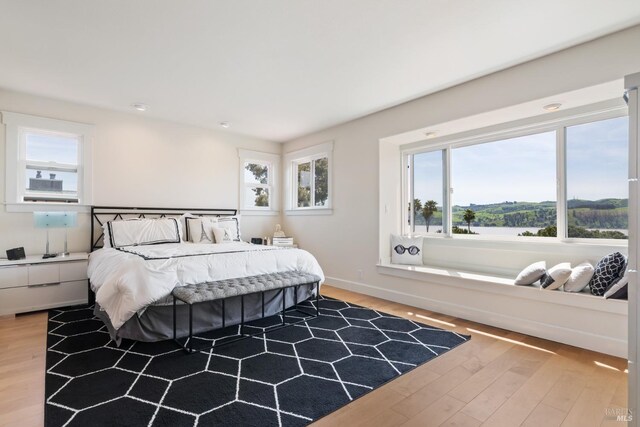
[[37, 284]]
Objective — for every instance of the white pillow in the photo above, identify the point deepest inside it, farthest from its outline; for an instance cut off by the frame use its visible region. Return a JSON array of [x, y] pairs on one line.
[[181, 224], [106, 240], [531, 273], [580, 277], [556, 276], [222, 235], [406, 250], [618, 290], [232, 223], [143, 231]]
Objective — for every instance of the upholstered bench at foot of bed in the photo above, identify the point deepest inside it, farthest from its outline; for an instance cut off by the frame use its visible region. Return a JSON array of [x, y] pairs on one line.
[[220, 290]]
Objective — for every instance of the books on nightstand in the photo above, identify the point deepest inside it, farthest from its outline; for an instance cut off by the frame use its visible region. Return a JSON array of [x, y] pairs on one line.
[[282, 241]]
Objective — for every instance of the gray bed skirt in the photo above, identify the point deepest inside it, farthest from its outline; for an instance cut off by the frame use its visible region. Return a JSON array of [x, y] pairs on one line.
[[156, 323]]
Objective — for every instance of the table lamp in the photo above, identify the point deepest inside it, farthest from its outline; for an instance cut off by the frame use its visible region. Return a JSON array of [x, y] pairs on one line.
[[49, 220]]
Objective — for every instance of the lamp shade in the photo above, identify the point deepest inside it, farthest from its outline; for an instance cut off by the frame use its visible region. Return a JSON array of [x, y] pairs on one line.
[[55, 219]]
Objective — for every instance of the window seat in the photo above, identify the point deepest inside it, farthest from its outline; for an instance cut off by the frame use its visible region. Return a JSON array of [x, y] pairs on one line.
[[501, 284], [578, 319]]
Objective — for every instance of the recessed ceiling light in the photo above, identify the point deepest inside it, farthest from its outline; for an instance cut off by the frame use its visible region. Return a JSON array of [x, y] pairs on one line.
[[225, 125], [430, 135], [140, 107], [552, 107]]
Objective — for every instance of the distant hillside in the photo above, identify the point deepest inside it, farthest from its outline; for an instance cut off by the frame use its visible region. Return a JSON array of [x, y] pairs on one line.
[[590, 214]]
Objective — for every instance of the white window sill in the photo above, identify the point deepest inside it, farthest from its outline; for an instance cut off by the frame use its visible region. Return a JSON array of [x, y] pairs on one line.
[[311, 211], [46, 207], [256, 212], [500, 242], [481, 282]]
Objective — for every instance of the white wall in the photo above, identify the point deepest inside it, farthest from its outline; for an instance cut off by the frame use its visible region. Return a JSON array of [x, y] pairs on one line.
[[348, 240], [138, 161]]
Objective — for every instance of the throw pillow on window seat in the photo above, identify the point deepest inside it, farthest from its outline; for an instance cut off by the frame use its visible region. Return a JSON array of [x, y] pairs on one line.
[[619, 288], [531, 273], [556, 276], [607, 271], [406, 250], [580, 277]]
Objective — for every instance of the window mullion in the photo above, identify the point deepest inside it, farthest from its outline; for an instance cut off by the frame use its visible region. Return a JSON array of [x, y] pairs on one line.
[[447, 209], [296, 186], [410, 177], [312, 186], [561, 182]]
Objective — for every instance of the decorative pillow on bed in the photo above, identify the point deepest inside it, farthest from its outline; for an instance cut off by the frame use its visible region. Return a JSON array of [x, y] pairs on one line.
[[143, 231], [531, 273], [106, 239], [580, 277], [200, 229], [619, 288], [406, 250], [222, 235], [231, 223], [608, 270], [556, 276]]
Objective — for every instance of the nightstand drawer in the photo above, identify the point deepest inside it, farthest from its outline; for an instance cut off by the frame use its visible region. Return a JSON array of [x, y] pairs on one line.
[[70, 271], [44, 273], [11, 277], [20, 300]]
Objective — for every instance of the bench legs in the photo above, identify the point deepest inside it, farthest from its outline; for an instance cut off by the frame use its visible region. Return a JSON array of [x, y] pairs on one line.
[[188, 344]]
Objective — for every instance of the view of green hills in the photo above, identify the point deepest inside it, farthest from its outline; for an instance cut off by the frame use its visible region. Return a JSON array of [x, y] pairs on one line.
[[585, 217]]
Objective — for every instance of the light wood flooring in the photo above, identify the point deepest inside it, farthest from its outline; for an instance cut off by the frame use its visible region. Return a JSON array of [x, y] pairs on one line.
[[499, 378]]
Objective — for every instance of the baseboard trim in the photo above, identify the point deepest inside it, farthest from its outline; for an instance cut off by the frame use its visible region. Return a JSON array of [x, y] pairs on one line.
[[575, 337]]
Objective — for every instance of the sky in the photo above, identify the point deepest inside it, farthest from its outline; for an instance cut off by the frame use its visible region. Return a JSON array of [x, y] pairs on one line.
[[524, 168]]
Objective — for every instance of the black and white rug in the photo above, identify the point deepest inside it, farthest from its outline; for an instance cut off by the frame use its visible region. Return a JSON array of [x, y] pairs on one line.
[[290, 377]]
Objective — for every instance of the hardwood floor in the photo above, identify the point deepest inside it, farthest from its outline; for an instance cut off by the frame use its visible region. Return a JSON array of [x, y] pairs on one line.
[[499, 378]]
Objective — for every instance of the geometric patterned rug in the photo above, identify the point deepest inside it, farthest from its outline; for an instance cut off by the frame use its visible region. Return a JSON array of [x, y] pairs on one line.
[[288, 377]]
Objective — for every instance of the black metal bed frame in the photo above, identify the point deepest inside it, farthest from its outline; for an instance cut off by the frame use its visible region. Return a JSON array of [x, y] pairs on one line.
[[188, 344], [102, 214]]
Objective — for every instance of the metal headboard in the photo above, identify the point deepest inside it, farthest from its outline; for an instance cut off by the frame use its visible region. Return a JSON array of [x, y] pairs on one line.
[[102, 214]]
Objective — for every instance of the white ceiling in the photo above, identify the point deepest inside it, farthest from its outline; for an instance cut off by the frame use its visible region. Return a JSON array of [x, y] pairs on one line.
[[279, 69]]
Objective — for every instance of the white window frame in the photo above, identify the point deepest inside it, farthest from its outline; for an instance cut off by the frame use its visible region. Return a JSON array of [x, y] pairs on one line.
[[295, 158], [506, 131], [17, 125], [272, 161]]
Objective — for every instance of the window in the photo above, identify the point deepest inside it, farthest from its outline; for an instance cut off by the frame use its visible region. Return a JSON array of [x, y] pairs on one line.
[[50, 167], [309, 180], [258, 176], [566, 179], [427, 201], [597, 171], [48, 162], [313, 181], [505, 187]]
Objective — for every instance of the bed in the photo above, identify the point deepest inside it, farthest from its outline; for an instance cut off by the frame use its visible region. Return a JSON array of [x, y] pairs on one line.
[[131, 279]]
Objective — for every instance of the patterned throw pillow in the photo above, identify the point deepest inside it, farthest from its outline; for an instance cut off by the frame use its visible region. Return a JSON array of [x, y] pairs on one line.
[[406, 250], [556, 276], [608, 270], [222, 235], [199, 229]]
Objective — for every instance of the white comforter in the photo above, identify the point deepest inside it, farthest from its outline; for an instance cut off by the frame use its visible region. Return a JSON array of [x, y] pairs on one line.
[[126, 283]]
